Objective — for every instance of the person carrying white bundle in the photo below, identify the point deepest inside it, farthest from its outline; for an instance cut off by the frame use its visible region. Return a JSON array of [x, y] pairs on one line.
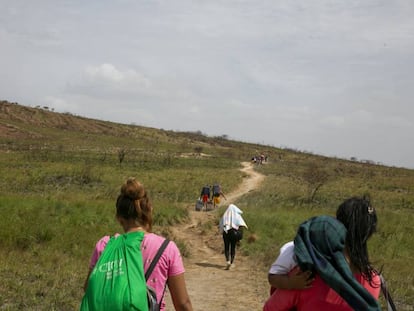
[[231, 227]]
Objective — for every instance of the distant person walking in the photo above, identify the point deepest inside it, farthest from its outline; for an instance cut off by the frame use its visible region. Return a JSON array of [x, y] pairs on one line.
[[205, 195], [231, 227], [217, 192]]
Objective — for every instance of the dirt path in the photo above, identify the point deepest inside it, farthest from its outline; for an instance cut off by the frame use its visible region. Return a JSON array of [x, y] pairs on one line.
[[211, 287]]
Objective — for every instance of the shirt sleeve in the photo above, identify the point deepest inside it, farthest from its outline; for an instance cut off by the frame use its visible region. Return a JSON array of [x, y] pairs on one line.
[[99, 248], [176, 266], [286, 261]]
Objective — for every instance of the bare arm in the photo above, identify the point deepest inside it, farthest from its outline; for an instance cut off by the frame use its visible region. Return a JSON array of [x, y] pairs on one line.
[[179, 294], [296, 280], [85, 285]]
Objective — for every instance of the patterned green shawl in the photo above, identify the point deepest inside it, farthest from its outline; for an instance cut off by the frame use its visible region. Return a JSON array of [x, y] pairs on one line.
[[319, 246]]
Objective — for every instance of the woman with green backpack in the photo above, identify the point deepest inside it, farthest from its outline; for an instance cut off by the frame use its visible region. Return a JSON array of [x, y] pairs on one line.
[[116, 278]]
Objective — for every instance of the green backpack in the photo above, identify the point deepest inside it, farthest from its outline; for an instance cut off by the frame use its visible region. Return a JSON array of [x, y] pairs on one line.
[[117, 282]]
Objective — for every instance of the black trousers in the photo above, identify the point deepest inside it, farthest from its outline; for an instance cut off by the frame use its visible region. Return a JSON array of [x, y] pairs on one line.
[[230, 241]]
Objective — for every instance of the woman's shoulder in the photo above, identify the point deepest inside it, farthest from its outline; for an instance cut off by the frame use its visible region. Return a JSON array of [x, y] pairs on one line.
[[153, 238], [288, 247], [102, 242], [375, 277], [376, 280], [373, 287], [155, 241]]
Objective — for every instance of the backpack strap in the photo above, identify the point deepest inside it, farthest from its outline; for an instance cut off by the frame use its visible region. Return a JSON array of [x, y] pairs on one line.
[[154, 262], [156, 258], [387, 296]]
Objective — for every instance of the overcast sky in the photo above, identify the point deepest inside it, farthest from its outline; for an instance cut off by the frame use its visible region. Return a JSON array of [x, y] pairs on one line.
[[331, 77]]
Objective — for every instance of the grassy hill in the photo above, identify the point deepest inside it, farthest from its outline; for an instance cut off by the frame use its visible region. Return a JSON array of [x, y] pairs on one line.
[[61, 174]]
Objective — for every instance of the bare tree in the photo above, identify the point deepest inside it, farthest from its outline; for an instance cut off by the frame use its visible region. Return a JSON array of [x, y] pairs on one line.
[[315, 177], [121, 155], [103, 157], [198, 150]]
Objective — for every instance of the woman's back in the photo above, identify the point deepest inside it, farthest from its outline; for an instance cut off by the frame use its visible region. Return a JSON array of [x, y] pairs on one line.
[[318, 297], [169, 264]]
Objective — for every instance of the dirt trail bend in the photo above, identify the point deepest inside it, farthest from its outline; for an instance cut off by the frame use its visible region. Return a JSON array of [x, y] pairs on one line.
[[211, 287]]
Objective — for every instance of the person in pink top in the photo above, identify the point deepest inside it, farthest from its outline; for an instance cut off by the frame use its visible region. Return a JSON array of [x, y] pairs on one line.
[[134, 213]]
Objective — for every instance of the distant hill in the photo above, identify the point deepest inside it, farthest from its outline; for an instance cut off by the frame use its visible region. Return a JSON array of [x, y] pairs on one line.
[[36, 126], [19, 121]]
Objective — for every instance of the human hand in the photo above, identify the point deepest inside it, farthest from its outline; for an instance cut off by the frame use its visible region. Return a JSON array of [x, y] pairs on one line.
[[299, 279]]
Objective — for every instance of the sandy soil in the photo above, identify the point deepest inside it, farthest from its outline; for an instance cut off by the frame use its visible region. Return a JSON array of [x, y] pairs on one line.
[[211, 287]]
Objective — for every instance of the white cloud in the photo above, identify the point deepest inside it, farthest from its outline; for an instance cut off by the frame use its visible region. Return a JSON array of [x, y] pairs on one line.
[[106, 72], [112, 77]]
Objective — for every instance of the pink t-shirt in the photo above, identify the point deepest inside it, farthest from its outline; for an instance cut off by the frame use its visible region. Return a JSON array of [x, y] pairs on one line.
[[318, 297], [170, 263]]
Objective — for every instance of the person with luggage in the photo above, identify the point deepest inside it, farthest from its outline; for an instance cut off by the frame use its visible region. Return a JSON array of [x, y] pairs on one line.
[[134, 212], [205, 195], [217, 192]]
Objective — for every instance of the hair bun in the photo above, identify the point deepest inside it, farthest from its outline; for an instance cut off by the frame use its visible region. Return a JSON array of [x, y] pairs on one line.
[[133, 195], [132, 189]]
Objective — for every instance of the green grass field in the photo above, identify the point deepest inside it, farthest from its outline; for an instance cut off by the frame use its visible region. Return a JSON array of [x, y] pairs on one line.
[[58, 186]]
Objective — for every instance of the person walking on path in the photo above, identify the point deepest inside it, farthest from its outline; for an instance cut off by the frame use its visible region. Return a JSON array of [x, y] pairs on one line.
[[134, 212], [335, 252], [217, 192], [360, 220], [231, 227], [205, 196]]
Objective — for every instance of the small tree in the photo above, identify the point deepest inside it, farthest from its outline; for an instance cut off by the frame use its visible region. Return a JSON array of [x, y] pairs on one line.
[[198, 149], [103, 157], [121, 155], [315, 177]]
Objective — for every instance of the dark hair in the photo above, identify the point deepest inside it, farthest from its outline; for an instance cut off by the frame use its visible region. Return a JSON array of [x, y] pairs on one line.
[[360, 220], [133, 203]]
